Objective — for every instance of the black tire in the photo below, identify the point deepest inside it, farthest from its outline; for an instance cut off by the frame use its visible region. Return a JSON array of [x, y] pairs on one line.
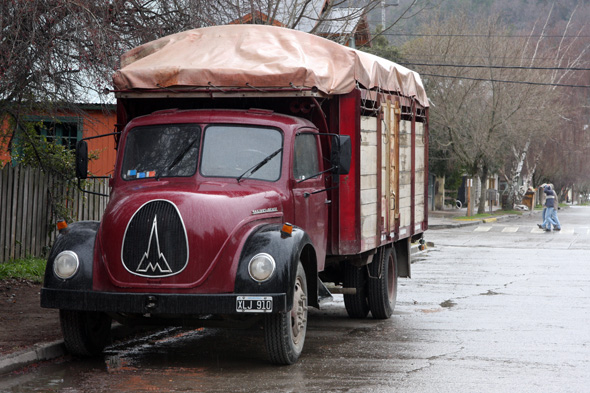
[[85, 333], [357, 305], [284, 333], [383, 283]]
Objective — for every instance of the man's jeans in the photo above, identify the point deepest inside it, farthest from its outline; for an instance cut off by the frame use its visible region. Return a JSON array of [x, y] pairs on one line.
[[555, 219], [549, 220]]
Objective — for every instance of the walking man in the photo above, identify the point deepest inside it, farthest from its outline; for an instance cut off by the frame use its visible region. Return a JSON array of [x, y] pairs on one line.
[[550, 216]]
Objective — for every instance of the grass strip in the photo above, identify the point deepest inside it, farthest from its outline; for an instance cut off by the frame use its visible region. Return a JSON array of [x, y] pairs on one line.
[[31, 269]]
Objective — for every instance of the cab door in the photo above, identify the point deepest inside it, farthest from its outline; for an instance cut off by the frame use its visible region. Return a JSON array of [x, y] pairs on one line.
[[311, 206]]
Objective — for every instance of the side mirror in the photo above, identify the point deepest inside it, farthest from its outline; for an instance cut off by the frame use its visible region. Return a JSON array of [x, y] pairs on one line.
[[341, 154], [82, 160]]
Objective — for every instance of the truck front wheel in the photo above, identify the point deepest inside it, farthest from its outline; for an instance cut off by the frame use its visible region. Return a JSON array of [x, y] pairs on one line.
[[284, 333], [383, 283], [85, 333]]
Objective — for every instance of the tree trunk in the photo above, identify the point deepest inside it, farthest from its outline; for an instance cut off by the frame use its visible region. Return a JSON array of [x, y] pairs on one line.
[[482, 198], [514, 193]]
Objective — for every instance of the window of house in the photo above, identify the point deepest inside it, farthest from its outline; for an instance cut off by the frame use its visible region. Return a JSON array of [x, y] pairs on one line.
[[66, 131]]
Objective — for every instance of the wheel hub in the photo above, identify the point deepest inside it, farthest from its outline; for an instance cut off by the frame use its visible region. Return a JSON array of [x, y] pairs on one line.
[[299, 313]]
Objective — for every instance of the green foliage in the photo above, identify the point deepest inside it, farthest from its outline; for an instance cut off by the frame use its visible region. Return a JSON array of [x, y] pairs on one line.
[[31, 269], [34, 150], [453, 179]]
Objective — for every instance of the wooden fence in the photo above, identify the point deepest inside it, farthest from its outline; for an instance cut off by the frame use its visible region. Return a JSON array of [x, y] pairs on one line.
[[27, 219]]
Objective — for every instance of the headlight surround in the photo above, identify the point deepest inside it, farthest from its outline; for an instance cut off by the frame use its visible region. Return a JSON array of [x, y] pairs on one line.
[[261, 267], [66, 264]]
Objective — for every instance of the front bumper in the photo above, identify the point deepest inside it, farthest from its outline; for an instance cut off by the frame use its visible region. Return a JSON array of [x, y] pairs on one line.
[[153, 303]]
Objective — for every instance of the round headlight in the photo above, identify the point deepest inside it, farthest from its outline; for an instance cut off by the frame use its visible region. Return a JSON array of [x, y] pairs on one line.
[[261, 267], [66, 264]]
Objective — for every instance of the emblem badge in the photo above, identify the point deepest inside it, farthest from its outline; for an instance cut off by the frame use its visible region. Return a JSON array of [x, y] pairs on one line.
[[153, 260], [155, 243]]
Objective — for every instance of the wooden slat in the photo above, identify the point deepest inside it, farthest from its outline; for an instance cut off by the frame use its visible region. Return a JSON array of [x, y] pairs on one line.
[[12, 219], [35, 228], [25, 214], [44, 211], [6, 231], [4, 184]]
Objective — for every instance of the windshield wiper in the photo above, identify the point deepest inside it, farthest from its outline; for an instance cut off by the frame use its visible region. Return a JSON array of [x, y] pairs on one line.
[[180, 156], [260, 164]]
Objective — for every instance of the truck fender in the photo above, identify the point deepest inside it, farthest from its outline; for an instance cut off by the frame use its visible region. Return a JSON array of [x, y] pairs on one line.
[[78, 237], [286, 251]]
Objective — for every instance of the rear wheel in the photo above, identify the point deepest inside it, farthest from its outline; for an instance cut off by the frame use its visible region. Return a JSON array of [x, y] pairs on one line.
[[85, 333], [284, 333], [383, 283], [357, 305]]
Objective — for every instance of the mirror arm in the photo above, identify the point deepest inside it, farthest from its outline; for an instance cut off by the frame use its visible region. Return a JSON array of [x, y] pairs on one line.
[[316, 175], [92, 192], [307, 194]]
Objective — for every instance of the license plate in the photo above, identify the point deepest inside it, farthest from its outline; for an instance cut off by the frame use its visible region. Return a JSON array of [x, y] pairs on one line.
[[254, 304]]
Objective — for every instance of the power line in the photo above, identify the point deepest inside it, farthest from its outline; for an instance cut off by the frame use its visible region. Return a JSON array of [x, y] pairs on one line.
[[504, 81], [485, 35], [420, 56], [497, 67]]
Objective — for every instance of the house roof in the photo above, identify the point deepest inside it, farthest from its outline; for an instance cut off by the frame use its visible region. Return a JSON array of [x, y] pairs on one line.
[[345, 24], [298, 14], [261, 56], [341, 21], [313, 13]]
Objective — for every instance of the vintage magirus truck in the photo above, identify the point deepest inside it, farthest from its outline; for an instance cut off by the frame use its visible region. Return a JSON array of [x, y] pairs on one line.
[[259, 169]]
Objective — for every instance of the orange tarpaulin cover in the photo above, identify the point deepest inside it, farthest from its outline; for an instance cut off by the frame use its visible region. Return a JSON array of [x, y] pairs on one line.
[[260, 56]]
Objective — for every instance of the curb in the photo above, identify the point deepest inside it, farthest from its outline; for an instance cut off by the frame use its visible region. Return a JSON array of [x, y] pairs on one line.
[[457, 224], [39, 352], [52, 350], [461, 223]]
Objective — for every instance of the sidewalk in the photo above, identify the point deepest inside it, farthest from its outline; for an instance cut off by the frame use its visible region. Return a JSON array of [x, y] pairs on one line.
[[444, 219]]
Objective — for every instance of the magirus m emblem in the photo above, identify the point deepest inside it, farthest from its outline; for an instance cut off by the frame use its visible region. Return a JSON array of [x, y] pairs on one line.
[[153, 259], [155, 243]]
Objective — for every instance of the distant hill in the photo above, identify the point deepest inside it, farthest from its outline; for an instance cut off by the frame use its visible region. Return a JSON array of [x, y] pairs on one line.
[[520, 15]]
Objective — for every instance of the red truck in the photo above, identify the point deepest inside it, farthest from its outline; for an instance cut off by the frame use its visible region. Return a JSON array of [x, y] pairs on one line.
[[254, 164]]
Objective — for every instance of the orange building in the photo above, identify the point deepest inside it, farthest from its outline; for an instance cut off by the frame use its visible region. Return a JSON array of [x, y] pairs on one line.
[[68, 127]]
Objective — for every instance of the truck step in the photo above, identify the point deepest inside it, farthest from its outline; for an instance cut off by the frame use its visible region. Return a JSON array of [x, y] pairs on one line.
[[324, 294]]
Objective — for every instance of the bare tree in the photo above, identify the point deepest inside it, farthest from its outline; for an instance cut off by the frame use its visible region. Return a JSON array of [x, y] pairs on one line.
[[56, 53], [559, 48], [476, 116]]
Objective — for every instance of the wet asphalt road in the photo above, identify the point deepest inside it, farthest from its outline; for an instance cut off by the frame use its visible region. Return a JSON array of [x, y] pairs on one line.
[[499, 307]]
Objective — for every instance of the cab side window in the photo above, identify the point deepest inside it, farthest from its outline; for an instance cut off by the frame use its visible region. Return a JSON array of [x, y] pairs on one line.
[[305, 157]]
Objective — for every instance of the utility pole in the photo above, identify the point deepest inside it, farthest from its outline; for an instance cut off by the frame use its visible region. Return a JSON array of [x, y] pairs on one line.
[[383, 6], [469, 184]]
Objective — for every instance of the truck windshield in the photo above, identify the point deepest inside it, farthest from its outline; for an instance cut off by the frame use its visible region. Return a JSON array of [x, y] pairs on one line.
[[165, 150], [229, 151]]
